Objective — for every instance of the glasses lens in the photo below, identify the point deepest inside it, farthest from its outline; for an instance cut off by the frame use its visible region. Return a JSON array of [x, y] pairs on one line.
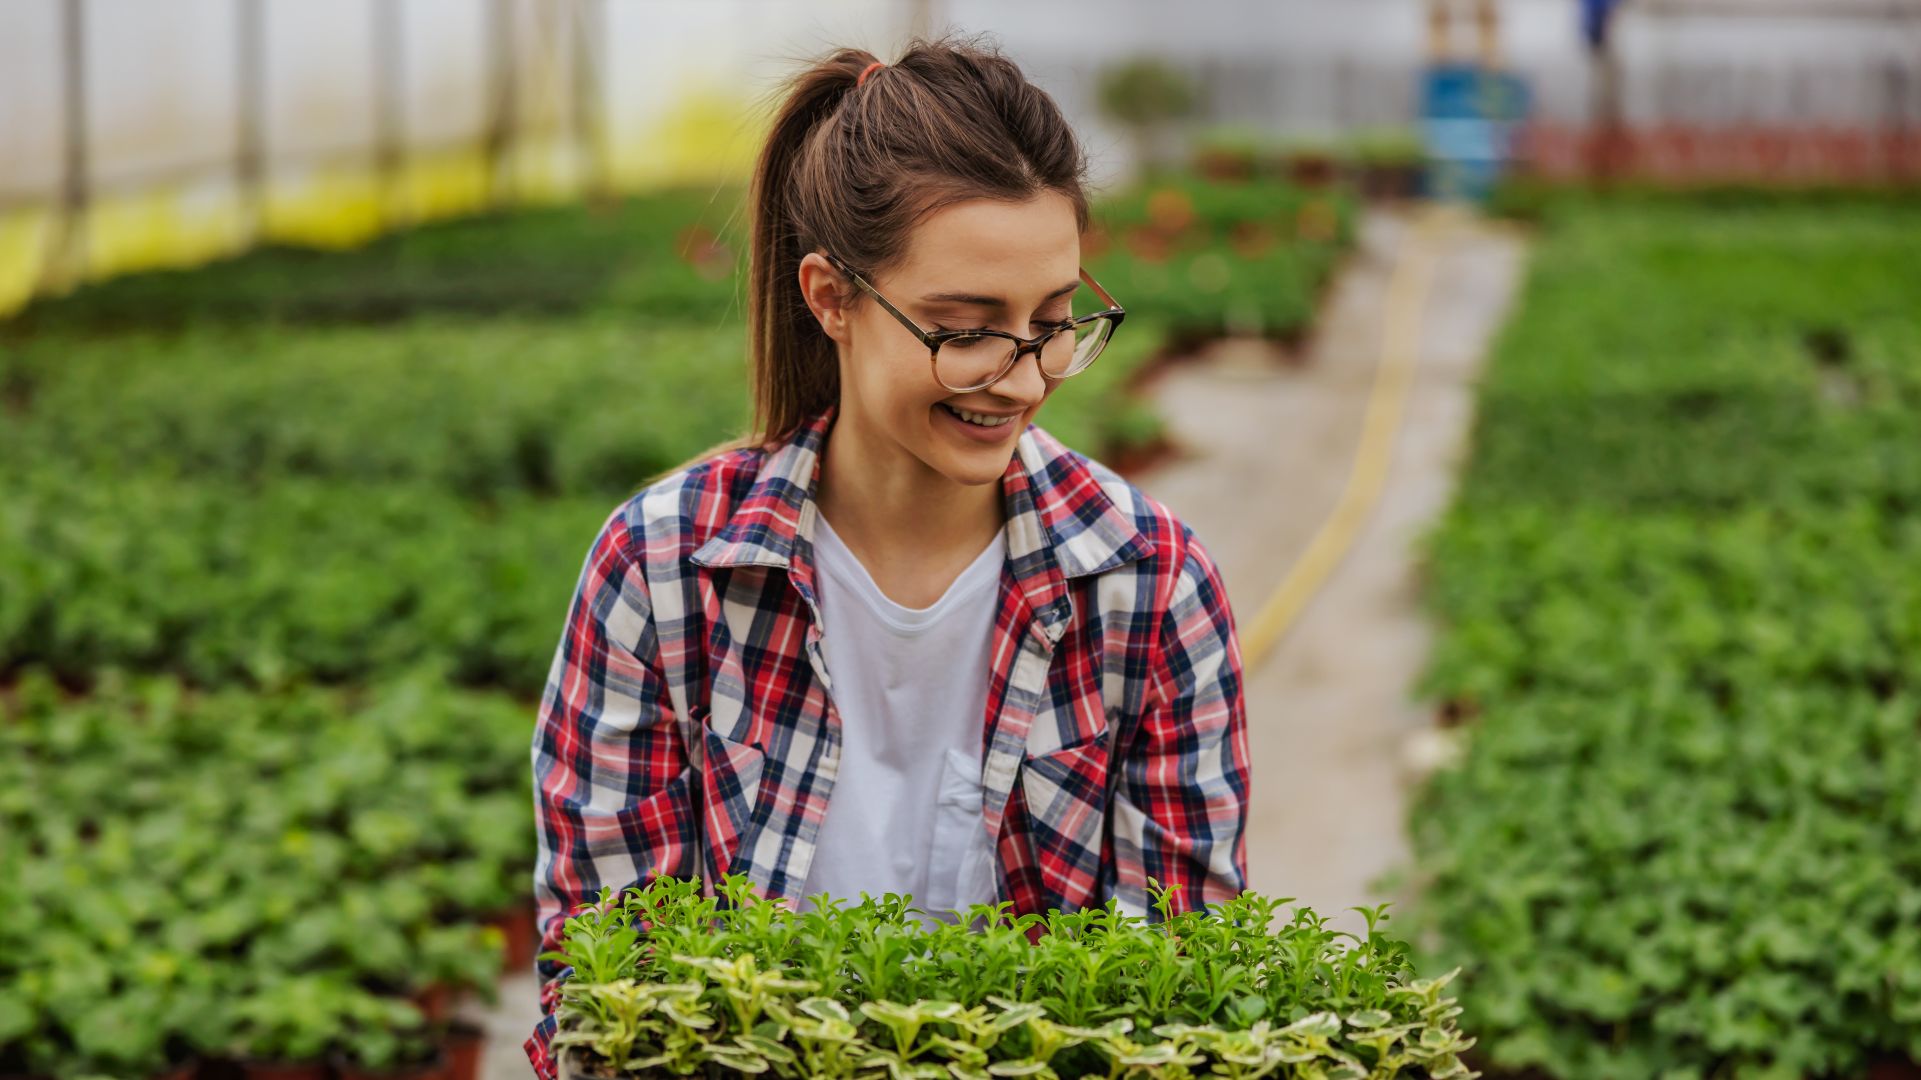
[[975, 360], [971, 361], [1089, 339]]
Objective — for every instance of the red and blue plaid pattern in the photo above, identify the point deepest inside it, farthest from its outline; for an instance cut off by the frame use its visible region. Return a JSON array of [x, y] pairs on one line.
[[690, 674]]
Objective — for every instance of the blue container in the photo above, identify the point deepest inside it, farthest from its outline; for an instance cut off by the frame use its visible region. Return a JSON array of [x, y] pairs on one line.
[[1469, 117]]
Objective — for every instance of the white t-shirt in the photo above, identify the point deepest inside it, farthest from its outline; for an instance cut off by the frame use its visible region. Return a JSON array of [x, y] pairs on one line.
[[910, 686]]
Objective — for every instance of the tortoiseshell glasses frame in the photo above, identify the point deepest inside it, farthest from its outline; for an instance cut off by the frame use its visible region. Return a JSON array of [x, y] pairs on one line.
[[934, 339]]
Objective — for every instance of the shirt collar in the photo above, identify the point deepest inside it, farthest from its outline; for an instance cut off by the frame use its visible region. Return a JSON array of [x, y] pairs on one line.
[[1060, 522]]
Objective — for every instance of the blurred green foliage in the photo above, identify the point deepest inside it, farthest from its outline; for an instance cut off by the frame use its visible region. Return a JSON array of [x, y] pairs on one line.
[[296, 581], [1682, 627], [170, 860], [288, 467], [1207, 257], [463, 407], [675, 253]]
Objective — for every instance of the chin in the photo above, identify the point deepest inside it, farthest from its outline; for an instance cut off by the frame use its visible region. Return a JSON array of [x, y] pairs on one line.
[[973, 470], [968, 470]]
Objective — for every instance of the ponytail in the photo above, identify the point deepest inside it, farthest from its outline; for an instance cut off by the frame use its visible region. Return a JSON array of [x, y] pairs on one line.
[[851, 166]]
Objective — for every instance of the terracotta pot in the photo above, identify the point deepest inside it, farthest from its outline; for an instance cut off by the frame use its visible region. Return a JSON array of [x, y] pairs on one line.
[[220, 1068], [517, 924], [463, 1043], [1224, 165], [1311, 170], [426, 1070], [435, 1001], [1136, 459], [1384, 181], [286, 1070], [186, 1070]]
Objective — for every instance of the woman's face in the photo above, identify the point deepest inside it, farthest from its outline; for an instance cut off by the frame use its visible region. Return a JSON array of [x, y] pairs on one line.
[[976, 263]]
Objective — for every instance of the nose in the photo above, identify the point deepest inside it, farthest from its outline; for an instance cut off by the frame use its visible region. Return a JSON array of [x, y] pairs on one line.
[[1023, 382]]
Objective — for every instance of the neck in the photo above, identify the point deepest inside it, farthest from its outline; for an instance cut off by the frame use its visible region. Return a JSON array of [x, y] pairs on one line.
[[889, 504]]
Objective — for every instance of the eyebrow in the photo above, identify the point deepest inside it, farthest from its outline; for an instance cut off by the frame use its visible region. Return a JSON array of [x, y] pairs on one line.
[[993, 301]]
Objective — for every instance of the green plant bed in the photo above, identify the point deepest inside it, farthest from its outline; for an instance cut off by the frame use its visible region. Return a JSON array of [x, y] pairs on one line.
[[673, 252], [482, 410], [666, 982], [243, 875], [1211, 257], [1706, 882], [636, 360], [296, 581], [475, 408], [1681, 631]]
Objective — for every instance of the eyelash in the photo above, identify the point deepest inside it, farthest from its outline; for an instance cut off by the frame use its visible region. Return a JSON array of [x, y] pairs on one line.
[[939, 329]]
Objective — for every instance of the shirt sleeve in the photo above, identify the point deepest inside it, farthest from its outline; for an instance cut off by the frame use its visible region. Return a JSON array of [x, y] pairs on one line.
[[1181, 811], [612, 801]]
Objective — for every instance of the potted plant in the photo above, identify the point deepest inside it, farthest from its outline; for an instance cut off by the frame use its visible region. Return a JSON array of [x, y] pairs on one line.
[[1386, 162], [463, 1043], [24, 1052], [493, 891], [285, 1024], [453, 961], [190, 1008], [388, 1040], [516, 922], [1146, 95], [1229, 153], [840, 991], [117, 1034]]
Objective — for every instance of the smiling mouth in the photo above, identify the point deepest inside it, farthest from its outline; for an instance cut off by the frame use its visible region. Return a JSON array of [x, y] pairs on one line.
[[951, 411]]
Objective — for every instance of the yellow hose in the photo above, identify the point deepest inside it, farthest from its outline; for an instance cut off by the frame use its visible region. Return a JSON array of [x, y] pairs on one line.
[[1408, 287]]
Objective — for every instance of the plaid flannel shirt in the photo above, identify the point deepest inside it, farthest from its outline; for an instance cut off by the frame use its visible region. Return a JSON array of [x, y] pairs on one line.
[[690, 678]]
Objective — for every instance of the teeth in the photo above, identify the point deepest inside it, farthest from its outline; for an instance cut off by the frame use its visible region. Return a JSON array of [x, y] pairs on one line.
[[977, 418]]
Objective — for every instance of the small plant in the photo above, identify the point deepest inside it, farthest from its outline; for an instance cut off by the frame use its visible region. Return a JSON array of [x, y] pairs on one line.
[[664, 980], [464, 957], [389, 1036], [1380, 146], [1147, 95], [292, 1018]]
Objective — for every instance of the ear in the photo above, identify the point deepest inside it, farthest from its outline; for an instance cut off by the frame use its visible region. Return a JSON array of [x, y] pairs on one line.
[[824, 289]]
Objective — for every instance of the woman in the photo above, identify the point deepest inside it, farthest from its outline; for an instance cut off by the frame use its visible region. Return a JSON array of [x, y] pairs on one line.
[[901, 639]]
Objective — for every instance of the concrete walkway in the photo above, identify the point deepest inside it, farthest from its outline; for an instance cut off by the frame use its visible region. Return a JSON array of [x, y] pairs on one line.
[[1270, 447], [507, 1026]]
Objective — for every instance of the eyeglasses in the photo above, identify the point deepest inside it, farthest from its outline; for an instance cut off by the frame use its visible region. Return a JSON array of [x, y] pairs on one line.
[[965, 360]]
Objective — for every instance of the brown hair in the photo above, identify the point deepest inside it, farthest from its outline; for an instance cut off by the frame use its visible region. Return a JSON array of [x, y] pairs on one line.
[[853, 170]]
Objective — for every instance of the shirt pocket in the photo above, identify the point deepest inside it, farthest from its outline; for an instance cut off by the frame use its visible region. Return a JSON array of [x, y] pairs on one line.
[[730, 795], [961, 861], [1065, 790]]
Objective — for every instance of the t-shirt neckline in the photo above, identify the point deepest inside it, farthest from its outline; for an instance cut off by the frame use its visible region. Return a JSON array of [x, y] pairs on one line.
[[841, 562]]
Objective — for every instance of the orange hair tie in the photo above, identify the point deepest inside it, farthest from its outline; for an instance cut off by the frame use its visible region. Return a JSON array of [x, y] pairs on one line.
[[865, 70]]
